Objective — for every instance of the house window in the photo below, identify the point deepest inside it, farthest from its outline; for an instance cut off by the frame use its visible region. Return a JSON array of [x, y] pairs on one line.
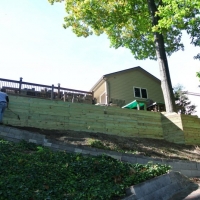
[[144, 93], [137, 92], [140, 92]]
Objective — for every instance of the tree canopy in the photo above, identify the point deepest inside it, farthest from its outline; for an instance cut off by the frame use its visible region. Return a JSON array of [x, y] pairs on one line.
[[128, 23], [150, 29], [182, 14]]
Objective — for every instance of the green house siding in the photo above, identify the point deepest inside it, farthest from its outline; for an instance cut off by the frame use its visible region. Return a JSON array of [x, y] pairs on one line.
[[99, 91], [121, 86]]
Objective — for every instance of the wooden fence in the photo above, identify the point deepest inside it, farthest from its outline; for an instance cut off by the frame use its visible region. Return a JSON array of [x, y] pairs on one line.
[[45, 91]]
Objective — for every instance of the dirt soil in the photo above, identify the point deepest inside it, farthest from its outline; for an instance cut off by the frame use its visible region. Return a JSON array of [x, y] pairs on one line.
[[148, 147]]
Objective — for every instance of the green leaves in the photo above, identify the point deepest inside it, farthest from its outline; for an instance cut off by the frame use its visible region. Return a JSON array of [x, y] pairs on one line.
[[127, 24], [183, 104], [52, 1], [198, 74], [182, 15], [29, 174]]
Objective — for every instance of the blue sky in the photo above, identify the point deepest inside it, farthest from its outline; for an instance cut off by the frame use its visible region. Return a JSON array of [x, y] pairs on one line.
[[35, 46]]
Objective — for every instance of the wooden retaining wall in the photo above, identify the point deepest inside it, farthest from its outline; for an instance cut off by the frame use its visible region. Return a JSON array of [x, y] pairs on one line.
[[191, 128], [183, 129], [172, 128], [58, 115]]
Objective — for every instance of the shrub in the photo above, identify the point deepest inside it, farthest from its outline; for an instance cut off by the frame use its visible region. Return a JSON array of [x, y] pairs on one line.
[[44, 174]]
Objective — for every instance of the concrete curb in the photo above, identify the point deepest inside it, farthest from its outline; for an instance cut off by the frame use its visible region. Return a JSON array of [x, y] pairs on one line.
[[187, 168], [161, 188]]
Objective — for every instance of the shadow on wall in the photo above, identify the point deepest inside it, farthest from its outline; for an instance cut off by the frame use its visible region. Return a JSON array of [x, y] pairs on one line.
[[181, 128], [172, 128]]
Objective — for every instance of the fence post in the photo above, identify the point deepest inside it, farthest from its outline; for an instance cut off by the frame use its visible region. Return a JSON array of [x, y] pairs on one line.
[[52, 94], [20, 84], [93, 99], [59, 91], [138, 106], [64, 97]]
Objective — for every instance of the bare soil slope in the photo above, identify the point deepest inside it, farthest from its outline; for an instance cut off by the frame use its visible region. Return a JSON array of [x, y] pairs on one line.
[[148, 147]]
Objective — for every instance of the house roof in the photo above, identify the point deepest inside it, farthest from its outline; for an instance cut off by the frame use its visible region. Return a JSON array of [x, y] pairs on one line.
[[102, 79]]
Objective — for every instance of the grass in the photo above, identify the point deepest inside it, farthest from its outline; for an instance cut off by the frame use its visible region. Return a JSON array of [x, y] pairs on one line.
[[100, 145], [31, 172]]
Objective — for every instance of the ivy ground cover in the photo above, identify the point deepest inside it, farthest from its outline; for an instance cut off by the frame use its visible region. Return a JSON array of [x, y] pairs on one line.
[[31, 172]]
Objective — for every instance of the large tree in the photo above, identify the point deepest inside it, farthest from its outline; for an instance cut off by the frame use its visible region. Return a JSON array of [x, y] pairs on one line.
[[183, 104], [137, 25], [183, 14]]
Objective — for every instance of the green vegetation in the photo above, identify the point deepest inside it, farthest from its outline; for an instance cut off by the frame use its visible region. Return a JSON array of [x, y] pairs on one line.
[[144, 146], [34, 172], [150, 29], [106, 146], [198, 75], [183, 104], [98, 144]]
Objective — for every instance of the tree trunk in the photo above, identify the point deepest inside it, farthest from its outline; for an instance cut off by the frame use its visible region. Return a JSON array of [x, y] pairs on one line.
[[162, 60]]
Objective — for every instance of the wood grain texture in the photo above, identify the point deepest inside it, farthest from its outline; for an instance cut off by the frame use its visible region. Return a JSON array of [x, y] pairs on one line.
[[46, 114]]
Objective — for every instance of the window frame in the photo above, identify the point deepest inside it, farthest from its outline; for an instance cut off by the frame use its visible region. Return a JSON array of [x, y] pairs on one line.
[[140, 92]]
